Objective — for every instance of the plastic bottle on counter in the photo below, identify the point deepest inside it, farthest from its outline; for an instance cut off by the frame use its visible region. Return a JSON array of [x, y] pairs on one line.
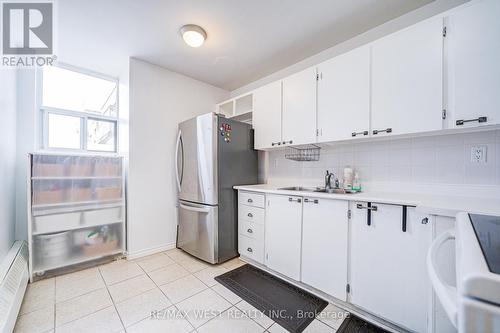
[[348, 172], [356, 183]]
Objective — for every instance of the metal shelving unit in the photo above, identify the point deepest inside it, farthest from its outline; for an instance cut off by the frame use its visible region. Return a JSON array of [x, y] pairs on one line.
[[76, 210], [72, 178]]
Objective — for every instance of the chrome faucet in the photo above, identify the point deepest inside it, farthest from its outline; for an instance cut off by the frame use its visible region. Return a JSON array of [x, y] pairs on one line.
[[328, 180]]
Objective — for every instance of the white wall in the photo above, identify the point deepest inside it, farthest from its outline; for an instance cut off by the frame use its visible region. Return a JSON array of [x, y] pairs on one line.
[[27, 132], [433, 161], [7, 159], [159, 100]]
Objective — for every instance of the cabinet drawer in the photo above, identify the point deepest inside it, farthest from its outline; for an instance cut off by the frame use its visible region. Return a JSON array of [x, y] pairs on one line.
[[251, 248], [252, 214], [251, 199], [251, 230]]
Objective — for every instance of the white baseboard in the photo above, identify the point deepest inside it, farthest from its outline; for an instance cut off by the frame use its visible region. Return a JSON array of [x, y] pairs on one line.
[[149, 251]]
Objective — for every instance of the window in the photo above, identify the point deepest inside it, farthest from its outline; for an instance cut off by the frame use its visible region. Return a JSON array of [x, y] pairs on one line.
[[63, 131], [79, 110]]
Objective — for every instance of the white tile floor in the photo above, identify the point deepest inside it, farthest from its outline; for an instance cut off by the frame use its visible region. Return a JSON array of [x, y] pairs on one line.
[[120, 296]]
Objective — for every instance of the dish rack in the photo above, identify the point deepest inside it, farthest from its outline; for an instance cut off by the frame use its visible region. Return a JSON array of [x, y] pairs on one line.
[[304, 153]]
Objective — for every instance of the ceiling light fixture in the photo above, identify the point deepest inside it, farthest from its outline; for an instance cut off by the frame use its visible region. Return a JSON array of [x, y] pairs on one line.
[[193, 35]]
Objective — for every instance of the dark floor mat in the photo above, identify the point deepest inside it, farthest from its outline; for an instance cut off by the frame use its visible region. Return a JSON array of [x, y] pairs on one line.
[[291, 307], [353, 324]]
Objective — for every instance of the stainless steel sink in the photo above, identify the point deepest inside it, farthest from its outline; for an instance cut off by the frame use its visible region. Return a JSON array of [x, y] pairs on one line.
[[317, 189], [298, 188], [332, 190]]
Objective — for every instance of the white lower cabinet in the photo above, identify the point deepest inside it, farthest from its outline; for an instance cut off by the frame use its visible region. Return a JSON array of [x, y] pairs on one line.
[[251, 248], [283, 234], [387, 267], [324, 245], [380, 252], [251, 215]]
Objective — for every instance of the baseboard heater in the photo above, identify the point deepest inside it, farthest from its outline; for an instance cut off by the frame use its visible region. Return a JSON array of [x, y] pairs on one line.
[[13, 283]]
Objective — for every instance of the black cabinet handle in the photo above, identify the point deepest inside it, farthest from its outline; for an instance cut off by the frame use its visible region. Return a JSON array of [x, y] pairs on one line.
[[297, 200], [276, 144], [369, 214], [359, 133], [387, 130], [289, 142], [250, 200], [369, 208], [250, 231], [425, 220], [405, 215], [311, 201], [249, 250], [460, 122], [250, 215]]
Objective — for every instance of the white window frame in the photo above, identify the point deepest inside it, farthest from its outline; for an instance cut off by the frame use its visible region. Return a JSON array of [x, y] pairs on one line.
[[44, 112]]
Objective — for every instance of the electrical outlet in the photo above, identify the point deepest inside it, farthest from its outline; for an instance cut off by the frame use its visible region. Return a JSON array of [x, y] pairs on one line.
[[478, 154]]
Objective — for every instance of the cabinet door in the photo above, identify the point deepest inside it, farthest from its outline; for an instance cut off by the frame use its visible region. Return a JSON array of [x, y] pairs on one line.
[[299, 108], [324, 245], [344, 96], [283, 234], [473, 37], [267, 115], [388, 266], [407, 80]]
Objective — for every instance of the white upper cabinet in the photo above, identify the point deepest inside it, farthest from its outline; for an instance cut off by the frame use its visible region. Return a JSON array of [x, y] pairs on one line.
[[344, 96], [283, 234], [324, 245], [299, 108], [399, 84], [473, 41], [267, 115], [407, 80]]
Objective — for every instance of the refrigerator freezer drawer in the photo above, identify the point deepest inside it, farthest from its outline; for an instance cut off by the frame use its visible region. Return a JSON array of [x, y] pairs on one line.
[[197, 232]]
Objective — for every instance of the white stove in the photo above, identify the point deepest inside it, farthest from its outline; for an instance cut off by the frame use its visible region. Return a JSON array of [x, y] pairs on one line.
[[474, 305]]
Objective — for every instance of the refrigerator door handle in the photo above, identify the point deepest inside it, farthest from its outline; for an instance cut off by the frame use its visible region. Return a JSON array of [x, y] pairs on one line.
[[194, 209], [177, 145]]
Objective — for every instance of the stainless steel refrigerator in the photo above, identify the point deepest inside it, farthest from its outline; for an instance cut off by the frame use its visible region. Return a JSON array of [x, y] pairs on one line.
[[213, 154]]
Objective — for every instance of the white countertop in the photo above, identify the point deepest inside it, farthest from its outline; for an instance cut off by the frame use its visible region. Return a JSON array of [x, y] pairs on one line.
[[427, 204]]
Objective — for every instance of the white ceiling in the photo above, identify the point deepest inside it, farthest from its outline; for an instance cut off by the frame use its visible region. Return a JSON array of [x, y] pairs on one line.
[[246, 39]]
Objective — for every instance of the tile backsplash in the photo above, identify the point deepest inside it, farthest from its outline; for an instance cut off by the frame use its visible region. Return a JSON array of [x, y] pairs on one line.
[[442, 159]]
